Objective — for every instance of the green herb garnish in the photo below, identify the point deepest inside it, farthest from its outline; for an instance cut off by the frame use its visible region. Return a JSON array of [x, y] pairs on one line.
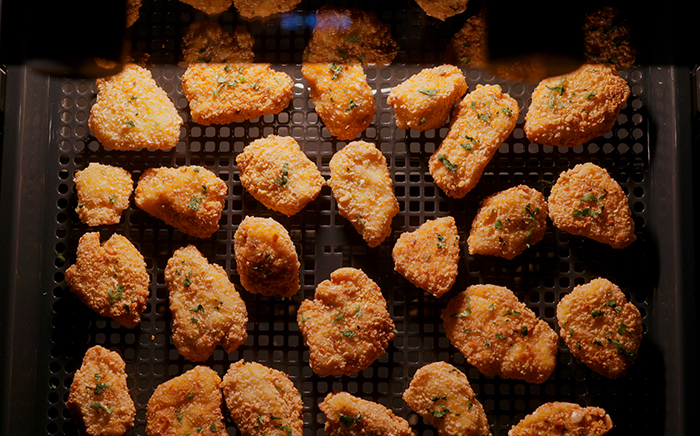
[[428, 92], [100, 406], [283, 180], [449, 165]]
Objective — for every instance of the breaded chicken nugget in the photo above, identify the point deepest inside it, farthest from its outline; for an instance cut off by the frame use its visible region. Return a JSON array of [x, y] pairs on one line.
[[266, 259], [442, 395], [499, 335], [341, 96], [189, 198], [480, 124], [207, 41], [442, 9], [347, 415], [264, 8], [554, 419], [424, 101], [586, 201], [600, 327], [262, 400], [468, 46], [607, 38], [429, 256], [132, 11], [103, 193], [363, 190], [206, 308], [210, 7], [133, 112], [347, 35], [346, 326], [574, 108], [187, 404], [508, 222], [278, 174], [99, 398], [111, 278]]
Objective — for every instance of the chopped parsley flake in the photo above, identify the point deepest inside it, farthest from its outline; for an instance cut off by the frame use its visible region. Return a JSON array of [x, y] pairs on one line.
[[348, 421], [129, 123], [283, 180], [102, 407], [352, 105], [484, 117], [596, 313], [347, 333], [428, 92], [498, 225], [338, 317], [449, 165], [116, 294], [195, 202], [336, 69]]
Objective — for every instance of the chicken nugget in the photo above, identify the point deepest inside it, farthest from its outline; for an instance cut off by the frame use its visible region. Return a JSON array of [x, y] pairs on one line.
[[226, 93], [554, 419], [600, 327], [499, 335], [346, 326], [262, 400], [189, 198], [263, 8], [347, 415], [442, 9], [607, 38], [132, 11], [103, 193], [586, 201], [278, 174], [207, 41], [468, 45], [266, 260], [99, 398], [210, 7], [133, 112], [424, 101], [187, 404], [206, 308], [363, 190], [341, 96], [574, 108], [429, 256], [110, 278], [480, 124], [508, 222], [442, 395]]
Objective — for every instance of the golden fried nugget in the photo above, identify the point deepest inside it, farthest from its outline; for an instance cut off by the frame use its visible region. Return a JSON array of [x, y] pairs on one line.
[[468, 46], [499, 335], [103, 193], [132, 11], [607, 38], [133, 112], [508, 222], [207, 41], [189, 198], [266, 259], [600, 327], [347, 415], [424, 101], [480, 124], [442, 9], [206, 308], [363, 190], [111, 278], [187, 404], [346, 326], [345, 35], [262, 400], [554, 419], [342, 98], [586, 201], [210, 7], [574, 108], [429, 256], [278, 174], [99, 398], [442, 395], [227, 93], [264, 8]]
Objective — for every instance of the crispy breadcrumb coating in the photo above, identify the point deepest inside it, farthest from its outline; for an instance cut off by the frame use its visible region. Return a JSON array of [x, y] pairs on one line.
[[210, 7], [206, 41], [266, 259], [508, 222], [346, 326], [424, 101], [607, 38], [132, 11], [347, 415], [99, 399], [442, 9], [264, 8], [499, 335], [103, 193], [226, 93], [574, 108], [187, 404], [429, 256], [600, 327], [133, 112], [206, 308], [363, 190], [189, 198], [278, 174], [262, 400], [555, 419], [586, 201], [111, 278], [468, 46], [442, 395], [480, 124]]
